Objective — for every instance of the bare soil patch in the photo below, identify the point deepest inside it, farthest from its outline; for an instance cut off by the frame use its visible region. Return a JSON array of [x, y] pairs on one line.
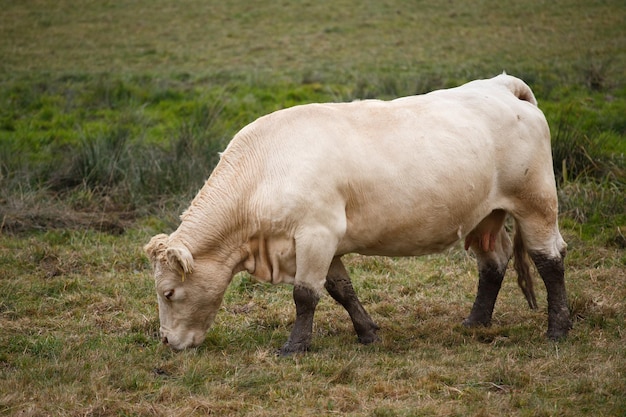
[[48, 218]]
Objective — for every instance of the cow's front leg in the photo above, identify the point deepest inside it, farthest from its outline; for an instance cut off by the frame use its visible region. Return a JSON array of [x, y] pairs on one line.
[[300, 338], [339, 286]]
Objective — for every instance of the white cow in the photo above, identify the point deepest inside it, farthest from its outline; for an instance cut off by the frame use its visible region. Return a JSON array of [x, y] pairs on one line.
[[297, 189]]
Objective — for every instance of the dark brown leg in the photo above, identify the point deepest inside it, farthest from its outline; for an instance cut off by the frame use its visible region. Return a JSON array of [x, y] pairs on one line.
[[300, 338], [489, 283], [552, 273], [492, 263], [339, 286], [493, 249]]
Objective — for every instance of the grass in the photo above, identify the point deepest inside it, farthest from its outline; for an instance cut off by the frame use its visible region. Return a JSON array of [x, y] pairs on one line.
[[79, 338], [111, 115], [309, 38]]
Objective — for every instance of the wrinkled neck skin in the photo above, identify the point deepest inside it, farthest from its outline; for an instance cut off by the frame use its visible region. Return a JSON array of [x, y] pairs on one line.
[[217, 225], [218, 251], [216, 231]]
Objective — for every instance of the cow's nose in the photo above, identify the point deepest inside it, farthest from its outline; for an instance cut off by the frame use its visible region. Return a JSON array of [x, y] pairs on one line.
[[164, 340]]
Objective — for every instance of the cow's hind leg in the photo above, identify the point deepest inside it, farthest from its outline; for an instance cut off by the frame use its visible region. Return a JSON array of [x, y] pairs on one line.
[[547, 250], [536, 215], [552, 273], [339, 286], [300, 338], [492, 247]]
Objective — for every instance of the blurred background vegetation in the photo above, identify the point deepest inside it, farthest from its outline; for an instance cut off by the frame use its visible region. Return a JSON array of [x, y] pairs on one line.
[[123, 106]]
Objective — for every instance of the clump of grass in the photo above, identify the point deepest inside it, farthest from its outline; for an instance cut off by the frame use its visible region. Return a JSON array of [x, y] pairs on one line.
[[596, 209], [180, 166], [596, 71], [580, 153], [130, 141], [591, 200]]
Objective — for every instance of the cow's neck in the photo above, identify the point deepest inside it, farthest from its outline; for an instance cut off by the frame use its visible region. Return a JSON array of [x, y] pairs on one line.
[[217, 223], [214, 225], [204, 230]]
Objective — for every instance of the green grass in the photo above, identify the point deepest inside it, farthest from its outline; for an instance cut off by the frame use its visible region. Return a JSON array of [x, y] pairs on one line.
[[111, 116]]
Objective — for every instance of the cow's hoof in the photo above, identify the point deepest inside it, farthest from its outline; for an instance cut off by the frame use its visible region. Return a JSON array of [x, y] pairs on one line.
[[559, 324], [557, 334], [289, 349], [369, 338], [471, 322]]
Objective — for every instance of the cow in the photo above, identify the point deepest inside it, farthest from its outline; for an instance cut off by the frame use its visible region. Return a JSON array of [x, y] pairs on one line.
[[298, 188]]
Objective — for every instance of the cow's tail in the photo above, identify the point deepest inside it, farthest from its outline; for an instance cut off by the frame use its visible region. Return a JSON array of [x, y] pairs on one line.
[[522, 267], [518, 87]]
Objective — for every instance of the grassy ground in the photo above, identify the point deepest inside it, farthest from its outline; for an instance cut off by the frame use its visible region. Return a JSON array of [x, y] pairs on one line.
[[79, 338], [277, 38], [111, 114]]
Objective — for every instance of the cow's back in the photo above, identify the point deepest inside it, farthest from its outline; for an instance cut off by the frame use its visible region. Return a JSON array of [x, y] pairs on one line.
[[404, 177]]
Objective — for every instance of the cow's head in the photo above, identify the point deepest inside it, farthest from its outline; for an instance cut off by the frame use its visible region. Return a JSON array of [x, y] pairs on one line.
[[189, 291]]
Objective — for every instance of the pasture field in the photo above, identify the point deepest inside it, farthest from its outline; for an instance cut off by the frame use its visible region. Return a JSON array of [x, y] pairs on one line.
[[111, 117]]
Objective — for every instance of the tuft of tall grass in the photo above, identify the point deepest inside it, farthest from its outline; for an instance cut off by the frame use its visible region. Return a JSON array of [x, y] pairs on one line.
[[591, 171], [596, 71], [592, 200], [132, 141], [578, 156], [178, 167], [136, 172]]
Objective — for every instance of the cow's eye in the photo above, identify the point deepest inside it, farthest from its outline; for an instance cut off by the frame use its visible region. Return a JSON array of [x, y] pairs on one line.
[[168, 294]]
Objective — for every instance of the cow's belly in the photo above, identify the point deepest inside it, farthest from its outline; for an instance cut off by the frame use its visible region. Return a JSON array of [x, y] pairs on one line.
[[421, 235], [416, 218]]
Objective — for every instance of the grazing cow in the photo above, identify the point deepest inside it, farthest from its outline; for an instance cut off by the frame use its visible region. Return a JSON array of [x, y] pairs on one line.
[[297, 189]]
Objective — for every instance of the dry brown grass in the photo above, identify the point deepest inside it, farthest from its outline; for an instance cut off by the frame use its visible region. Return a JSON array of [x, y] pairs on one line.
[[79, 325]]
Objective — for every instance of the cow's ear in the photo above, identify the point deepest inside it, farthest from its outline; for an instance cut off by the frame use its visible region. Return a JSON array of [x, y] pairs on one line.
[[156, 246], [180, 258]]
